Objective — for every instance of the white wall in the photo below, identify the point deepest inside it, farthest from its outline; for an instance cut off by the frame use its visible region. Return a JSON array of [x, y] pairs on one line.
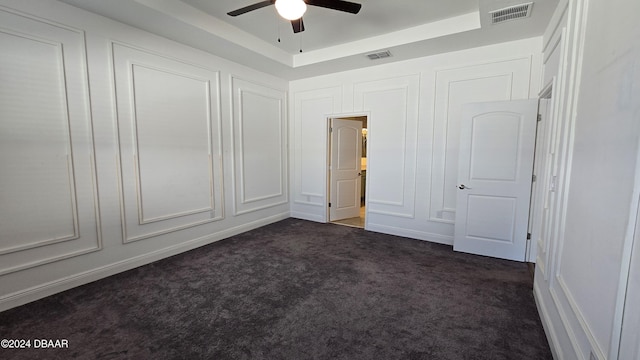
[[413, 132], [630, 331], [124, 148], [591, 59]]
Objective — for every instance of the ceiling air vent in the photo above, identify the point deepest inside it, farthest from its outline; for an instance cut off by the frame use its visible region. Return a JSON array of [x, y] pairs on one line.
[[511, 13], [379, 55]]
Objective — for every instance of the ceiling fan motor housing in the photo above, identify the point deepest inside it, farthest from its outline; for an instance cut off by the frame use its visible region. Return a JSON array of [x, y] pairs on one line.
[[294, 9]]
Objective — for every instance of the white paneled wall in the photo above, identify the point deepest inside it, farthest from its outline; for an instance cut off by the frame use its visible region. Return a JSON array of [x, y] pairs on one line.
[[309, 137], [260, 146], [412, 110], [48, 203], [630, 331], [586, 281], [495, 81], [392, 141], [169, 136], [118, 148]]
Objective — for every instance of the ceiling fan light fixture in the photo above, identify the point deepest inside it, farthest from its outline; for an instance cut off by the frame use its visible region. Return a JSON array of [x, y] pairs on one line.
[[291, 9]]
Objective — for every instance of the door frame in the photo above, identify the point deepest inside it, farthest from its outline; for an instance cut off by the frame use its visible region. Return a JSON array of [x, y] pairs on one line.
[[328, 118], [540, 186]]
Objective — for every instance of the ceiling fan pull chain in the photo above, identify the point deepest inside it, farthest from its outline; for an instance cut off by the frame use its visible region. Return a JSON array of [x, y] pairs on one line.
[[278, 22], [300, 42]]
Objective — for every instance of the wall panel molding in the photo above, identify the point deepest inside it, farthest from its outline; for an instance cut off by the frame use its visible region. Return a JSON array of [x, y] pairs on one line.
[[49, 169], [577, 313], [311, 110], [207, 204], [260, 146], [494, 81], [542, 303], [392, 143], [170, 143], [565, 320]]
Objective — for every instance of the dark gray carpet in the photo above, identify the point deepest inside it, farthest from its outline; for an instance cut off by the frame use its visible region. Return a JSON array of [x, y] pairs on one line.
[[295, 290]]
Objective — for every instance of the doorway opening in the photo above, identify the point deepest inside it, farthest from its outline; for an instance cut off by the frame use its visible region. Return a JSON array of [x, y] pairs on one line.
[[347, 164]]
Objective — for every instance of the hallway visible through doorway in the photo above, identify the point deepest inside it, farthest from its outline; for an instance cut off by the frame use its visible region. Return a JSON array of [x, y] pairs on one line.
[[354, 221], [347, 162]]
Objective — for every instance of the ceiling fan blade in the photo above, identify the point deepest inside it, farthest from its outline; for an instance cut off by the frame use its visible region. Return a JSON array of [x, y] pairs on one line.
[[339, 5], [298, 25], [255, 6]]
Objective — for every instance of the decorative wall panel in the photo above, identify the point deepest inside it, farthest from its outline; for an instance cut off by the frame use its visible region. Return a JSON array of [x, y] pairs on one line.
[[391, 144], [311, 111], [505, 80], [169, 120], [48, 205], [260, 146]]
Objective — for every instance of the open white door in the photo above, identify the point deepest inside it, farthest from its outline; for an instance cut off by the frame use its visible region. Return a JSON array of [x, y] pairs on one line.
[[346, 154], [497, 144]]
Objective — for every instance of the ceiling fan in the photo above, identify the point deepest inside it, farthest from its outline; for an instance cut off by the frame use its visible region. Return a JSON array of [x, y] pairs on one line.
[[294, 9]]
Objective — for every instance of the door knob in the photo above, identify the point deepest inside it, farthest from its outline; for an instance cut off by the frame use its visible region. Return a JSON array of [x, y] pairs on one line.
[[359, 174], [463, 186]]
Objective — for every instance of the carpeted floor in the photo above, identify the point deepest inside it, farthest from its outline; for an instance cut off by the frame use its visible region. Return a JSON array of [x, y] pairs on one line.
[[295, 290]]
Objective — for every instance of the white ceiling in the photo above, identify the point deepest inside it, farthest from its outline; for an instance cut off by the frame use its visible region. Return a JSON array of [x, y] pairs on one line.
[[325, 27], [332, 41]]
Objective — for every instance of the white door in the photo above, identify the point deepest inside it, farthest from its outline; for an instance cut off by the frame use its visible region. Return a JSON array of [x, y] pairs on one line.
[[497, 144], [346, 154]]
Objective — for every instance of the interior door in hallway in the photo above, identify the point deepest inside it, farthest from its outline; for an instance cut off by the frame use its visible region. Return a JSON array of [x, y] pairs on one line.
[[345, 174], [497, 144]]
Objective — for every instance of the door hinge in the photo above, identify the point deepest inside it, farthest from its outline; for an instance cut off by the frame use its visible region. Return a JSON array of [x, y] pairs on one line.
[[329, 204], [534, 177], [528, 236], [539, 117], [330, 129]]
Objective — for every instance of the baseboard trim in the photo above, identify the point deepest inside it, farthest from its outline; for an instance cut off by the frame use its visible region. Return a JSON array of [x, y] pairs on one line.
[[547, 325], [414, 234], [54, 287], [307, 216], [576, 313]]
